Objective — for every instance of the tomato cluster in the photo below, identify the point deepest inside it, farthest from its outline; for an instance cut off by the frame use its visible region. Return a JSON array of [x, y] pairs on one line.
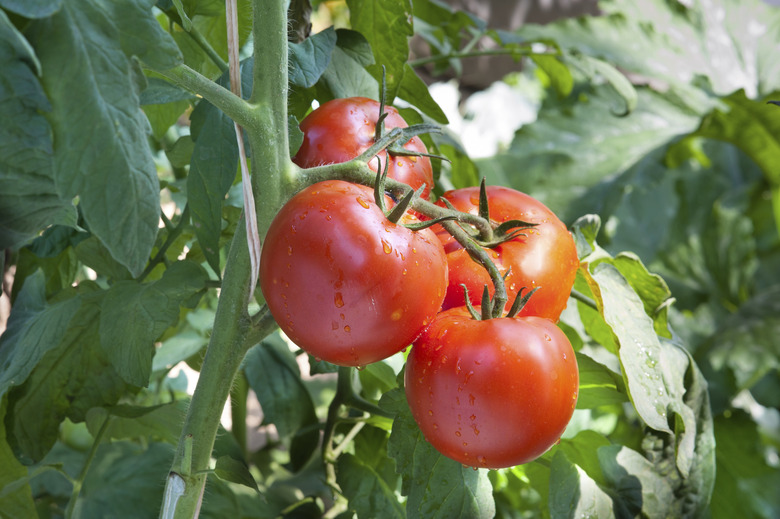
[[352, 285]]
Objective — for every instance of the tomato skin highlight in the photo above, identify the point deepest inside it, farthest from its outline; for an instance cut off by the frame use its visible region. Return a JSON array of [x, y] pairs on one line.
[[343, 282], [341, 129], [494, 393], [545, 257]]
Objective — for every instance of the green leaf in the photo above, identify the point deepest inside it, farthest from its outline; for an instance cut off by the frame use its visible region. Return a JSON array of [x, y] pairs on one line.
[[34, 328], [71, 378], [376, 379], [368, 494], [651, 289], [308, 60], [134, 315], [128, 422], [32, 8], [653, 382], [574, 145], [213, 168], [599, 385], [387, 25], [593, 67], [16, 502], [141, 35], [102, 153], [436, 486], [92, 253], [119, 474], [207, 19], [273, 374], [753, 126], [574, 494], [746, 484], [229, 469], [556, 73], [730, 42], [346, 75], [637, 485], [414, 90], [29, 200], [745, 343]]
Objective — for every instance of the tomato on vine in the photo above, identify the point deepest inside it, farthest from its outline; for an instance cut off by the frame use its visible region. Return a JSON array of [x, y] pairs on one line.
[[542, 256], [491, 393], [344, 282], [341, 129]]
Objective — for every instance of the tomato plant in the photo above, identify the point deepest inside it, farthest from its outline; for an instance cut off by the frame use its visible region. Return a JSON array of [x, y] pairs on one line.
[[543, 256], [493, 393], [344, 283], [341, 129]]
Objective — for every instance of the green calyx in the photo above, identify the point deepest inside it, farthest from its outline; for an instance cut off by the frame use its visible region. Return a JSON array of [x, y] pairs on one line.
[[488, 307]]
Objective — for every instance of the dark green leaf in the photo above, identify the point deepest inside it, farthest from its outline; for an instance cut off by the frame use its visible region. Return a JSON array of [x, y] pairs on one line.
[[308, 60], [71, 378], [368, 494], [29, 200], [102, 153], [32, 8], [436, 486], [92, 253], [161, 422], [746, 484], [34, 328], [159, 91], [273, 374], [134, 315], [120, 473], [141, 35], [16, 498], [346, 75], [235, 471]]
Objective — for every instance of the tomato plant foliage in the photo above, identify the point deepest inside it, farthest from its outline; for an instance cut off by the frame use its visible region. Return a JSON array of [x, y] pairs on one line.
[[125, 258]]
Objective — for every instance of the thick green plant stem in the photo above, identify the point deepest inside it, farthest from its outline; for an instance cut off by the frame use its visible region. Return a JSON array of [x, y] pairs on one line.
[[195, 82], [264, 119], [224, 354]]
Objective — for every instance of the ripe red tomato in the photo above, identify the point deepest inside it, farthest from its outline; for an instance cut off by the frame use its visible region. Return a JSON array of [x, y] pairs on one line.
[[343, 282], [545, 257], [493, 393], [341, 129]]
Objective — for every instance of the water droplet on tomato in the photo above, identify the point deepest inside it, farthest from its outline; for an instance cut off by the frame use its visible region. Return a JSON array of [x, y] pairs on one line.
[[430, 412], [387, 247], [289, 250], [457, 433], [363, 202], [338, 300], [471, 399], [548, 338], [473, 417], [347, 328], [482, 460], [435, 426], [396, 315]]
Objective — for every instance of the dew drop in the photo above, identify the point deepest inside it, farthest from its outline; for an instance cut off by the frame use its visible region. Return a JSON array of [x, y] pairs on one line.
[[435, 426], [457, 433], [363, 202], [347, 328], [471, 399], [473, 417], [430, 412], [387, 247], [548, 339], [289, 250], [338, 300]]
